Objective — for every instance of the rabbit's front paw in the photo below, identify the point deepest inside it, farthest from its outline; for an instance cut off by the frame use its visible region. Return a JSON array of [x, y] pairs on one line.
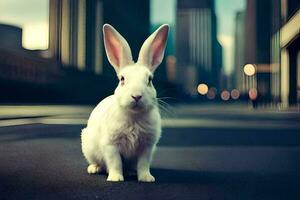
[[146, 177], [113, 176], [93, 169]]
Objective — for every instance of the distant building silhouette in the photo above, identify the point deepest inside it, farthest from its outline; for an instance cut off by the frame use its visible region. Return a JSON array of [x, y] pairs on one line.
[[276, 19], [240, 79], [198, 53], [10, 37], [257, 45], [19, 64]]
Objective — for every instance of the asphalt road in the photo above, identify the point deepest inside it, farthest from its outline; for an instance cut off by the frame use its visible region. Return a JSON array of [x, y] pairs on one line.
[[204, 153]]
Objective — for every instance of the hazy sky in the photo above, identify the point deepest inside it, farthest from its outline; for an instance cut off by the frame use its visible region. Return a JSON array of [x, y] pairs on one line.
[[226, 10], [32, 16], [162, 11]]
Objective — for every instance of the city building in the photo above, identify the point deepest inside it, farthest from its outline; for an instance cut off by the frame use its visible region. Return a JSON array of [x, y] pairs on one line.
[[19, 64], [257, 47], [276, 19], [198, 53], [74, 67], [285, 48], [272, 46], [74, 35], [241, 81], [24, 74], [76, 30], [10, 37]]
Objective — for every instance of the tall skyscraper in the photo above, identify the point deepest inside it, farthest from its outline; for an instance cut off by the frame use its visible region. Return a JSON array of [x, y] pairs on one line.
[[239, 52], [74, 33], [257, 45], [198, 52]]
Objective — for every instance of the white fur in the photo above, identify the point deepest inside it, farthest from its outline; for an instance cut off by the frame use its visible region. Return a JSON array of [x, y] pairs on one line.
[[119, 127]]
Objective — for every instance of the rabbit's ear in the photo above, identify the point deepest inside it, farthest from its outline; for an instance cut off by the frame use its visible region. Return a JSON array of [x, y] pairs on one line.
[[117, 49], [153, 49]]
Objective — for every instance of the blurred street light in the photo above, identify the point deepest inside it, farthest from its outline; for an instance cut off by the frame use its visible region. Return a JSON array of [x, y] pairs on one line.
[[249, 69], [253, 94], [211, 94], [202, 89], [235, 94], [225, 95]]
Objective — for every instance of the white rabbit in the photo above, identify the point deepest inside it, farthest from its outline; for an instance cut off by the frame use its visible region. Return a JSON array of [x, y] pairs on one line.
[[126, 124]]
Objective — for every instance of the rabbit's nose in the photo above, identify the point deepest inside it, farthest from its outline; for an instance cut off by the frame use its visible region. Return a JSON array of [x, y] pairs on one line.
[[137, 97]]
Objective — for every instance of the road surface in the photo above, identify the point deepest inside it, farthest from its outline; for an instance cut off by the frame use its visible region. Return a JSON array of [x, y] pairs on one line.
[[206, 152]]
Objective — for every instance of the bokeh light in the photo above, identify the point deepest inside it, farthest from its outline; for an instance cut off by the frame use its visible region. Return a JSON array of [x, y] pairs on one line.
[[235, 94], [202, 89], [211, 94], [249, 69], [253, 94], [225, 95]]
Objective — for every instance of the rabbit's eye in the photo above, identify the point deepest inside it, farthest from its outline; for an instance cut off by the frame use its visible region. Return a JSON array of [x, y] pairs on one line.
[[149, 80], [122, 79]]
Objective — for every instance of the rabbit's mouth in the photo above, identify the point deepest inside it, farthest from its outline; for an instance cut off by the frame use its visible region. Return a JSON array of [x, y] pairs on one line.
[[137, 106]]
